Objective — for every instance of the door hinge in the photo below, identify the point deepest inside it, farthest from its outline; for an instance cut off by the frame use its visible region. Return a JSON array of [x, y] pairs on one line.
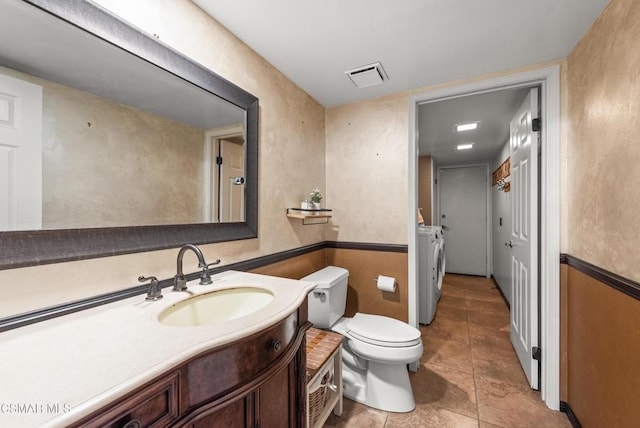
[[219, 160], [537, 353], [536, 124]]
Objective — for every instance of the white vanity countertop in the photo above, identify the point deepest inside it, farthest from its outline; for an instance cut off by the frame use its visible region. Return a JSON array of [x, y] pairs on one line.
[[56, 372]]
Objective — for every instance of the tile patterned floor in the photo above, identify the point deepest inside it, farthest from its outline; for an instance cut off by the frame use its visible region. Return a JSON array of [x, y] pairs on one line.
[[469, 374]]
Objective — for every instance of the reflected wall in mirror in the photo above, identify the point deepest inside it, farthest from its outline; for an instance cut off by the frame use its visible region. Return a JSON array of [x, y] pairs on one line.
[[122, 142], [103, 129]]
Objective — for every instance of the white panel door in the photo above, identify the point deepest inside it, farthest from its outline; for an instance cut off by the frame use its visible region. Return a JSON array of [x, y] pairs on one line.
[[524, 236], [20, 155], [231, 187], [463, 216]]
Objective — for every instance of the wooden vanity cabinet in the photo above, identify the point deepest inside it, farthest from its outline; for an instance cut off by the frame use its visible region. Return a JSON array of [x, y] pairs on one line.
[[258, 381], [273, 404], [154, 406]]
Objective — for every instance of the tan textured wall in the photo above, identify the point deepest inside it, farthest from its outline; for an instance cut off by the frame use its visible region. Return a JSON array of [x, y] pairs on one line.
[[367, 157], [599, 325], [603, 155], [82, 188], [291, 163]]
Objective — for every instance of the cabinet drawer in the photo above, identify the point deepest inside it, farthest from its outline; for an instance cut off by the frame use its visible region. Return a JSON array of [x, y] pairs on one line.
[[219, 372], [154, 406]]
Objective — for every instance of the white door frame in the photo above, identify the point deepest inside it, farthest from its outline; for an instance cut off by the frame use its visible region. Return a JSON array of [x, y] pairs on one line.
[[487, 197], [210, 182], [549, 80]]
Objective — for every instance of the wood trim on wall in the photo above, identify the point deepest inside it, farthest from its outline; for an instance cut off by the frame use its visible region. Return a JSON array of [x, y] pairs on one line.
[[390, 248], [565, 408], [625, 285]]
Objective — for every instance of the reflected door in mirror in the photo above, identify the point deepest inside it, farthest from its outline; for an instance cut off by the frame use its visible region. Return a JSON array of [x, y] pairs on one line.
[[20, 154]]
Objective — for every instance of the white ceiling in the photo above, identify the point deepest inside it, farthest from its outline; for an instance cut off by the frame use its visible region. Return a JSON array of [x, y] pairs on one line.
[[494, 110], [419, 42], [49, 48]]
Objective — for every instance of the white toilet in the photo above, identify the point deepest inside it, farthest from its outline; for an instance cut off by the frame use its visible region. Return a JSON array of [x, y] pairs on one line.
[[375, 350]]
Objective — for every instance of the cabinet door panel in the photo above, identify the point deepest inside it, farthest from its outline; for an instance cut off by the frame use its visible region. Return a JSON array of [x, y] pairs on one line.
[[155, 406], [233, 415], [216, 374], [275, 400]]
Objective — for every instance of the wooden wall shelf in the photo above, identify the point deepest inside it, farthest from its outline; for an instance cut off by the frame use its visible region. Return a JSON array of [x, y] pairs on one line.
[[303, 214]]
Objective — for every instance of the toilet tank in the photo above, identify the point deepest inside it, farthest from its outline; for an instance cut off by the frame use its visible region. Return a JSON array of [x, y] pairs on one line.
[[327, 301]]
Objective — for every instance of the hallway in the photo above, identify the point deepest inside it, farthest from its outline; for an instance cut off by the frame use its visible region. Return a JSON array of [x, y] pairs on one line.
[[470, 376]]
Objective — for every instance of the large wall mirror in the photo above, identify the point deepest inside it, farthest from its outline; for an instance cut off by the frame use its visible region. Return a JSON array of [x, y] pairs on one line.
[[112, 143]]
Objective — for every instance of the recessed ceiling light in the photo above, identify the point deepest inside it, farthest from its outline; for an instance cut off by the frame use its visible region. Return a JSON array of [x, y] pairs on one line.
[[466, 127], [464, 146]]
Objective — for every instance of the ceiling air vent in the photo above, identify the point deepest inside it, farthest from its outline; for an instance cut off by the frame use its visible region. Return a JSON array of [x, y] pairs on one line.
[[367, 75]]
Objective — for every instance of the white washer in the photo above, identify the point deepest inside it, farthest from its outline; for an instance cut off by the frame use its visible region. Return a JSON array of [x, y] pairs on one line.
[[431, 271]]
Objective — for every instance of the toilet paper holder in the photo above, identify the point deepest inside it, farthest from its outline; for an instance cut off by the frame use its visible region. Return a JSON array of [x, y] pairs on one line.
[[386, 283]]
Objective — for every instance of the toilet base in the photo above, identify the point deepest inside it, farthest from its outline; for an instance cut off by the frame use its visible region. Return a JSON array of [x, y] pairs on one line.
[[378, 385]]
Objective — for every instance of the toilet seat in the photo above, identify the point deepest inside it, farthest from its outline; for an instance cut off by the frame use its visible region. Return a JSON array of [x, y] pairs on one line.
[[382, 331]]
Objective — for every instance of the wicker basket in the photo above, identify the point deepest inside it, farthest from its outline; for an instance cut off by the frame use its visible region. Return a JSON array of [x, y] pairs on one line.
[[318, 397]]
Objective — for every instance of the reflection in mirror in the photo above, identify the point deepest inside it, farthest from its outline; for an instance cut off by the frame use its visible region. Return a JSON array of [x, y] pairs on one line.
[[92, 136]]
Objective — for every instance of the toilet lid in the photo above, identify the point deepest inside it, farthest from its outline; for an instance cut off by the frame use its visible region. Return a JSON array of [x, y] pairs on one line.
[[383, 331]]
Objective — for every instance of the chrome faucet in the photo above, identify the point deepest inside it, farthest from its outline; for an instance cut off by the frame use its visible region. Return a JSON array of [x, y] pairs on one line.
[[154, 292], [179, 281]]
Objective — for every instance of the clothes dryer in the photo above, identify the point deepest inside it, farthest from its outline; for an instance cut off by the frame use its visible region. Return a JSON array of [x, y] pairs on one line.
[[430, 271]]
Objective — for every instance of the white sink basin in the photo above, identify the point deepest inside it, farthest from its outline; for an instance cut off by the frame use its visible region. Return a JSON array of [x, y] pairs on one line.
[[216, 307]]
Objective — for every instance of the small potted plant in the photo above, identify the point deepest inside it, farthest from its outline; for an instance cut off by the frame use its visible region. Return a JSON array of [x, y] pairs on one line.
[[316, 197]]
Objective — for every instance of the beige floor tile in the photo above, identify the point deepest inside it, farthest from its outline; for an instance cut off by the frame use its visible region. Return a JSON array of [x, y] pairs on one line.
[[356, 415], [469, 281], [488, 320], [508, 405], [451, 301], [445, 387], [484, 424], [430, 417], [451, 352], [451, 290], [500, 342], [489, 293], [451, 312], [447, 328], [479, 330], [498, 368], [492, 306]]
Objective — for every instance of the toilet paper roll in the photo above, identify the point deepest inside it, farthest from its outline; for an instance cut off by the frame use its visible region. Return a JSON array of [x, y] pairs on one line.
[[386, 283]]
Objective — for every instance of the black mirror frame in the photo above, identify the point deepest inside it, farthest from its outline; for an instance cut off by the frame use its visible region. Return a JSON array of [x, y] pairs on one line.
[[31, 248]]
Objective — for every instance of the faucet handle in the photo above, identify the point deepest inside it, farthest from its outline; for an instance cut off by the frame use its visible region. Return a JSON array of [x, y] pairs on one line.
[[205, 277], [154, 292]]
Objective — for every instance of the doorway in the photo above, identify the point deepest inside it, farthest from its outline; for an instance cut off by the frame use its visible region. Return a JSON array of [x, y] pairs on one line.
[[223, 175], [463, 211], [548, 79]]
